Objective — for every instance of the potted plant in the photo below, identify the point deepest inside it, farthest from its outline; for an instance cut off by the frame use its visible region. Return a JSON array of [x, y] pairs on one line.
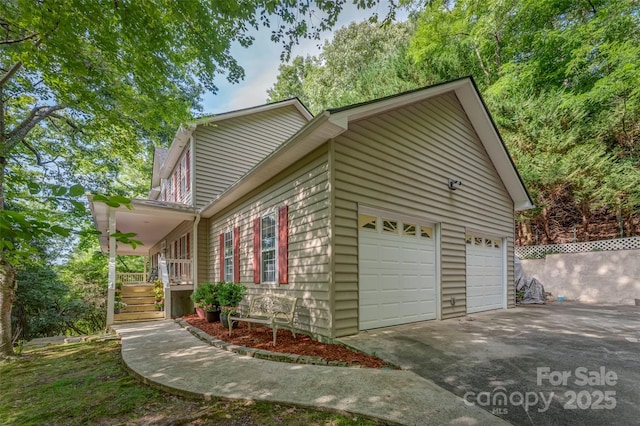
[[229, 296], [118, 304], [205, 299], [159, 293]]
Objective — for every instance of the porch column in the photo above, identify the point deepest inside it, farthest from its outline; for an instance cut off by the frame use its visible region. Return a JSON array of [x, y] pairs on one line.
[[111, 289]]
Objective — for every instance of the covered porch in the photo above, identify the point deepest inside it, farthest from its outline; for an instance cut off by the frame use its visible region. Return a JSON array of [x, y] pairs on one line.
[[151, 222]]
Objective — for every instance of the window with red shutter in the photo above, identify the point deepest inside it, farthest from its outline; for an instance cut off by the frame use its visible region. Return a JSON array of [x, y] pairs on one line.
[[256, 250]]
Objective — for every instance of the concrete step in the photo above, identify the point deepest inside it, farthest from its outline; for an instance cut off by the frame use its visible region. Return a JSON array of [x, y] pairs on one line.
[[139, 300], [138, 316], [147, 307]]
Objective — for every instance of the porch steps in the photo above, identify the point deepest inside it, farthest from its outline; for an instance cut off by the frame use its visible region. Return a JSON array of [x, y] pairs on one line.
[[138, 316], [140, 301]]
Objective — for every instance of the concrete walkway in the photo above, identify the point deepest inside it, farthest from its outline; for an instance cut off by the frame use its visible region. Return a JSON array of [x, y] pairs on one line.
[[168, 356]]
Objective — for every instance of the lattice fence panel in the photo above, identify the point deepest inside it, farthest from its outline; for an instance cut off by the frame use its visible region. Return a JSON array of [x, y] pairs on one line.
[[603, 245]]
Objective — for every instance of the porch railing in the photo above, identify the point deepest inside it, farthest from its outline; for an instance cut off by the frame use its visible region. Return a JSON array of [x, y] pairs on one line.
[[179, 271], [131, 277]]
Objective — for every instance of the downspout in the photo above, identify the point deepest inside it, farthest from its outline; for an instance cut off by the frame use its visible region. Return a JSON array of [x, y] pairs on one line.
[[192, 166]]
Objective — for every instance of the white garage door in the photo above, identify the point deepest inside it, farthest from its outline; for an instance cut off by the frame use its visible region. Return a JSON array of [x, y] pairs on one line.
[[485, 273], [397, 271]]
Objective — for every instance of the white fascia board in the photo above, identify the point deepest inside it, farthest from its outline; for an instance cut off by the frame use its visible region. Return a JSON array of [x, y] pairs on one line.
[[487, 133], [376, 107], [313, 135], [253, 110]]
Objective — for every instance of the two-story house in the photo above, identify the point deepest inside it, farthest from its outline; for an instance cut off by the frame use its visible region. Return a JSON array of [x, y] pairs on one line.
[[376, 214]]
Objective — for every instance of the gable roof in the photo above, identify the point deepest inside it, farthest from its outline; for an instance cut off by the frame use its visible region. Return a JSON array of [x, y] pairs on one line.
[[185, 131], [333, 122]]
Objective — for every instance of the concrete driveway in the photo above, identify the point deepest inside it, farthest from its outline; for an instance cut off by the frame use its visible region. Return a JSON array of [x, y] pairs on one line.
[[562, 363]]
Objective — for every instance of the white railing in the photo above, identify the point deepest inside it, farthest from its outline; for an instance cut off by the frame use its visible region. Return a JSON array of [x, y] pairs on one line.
[[179, 271], [630, 243], [131, 277]]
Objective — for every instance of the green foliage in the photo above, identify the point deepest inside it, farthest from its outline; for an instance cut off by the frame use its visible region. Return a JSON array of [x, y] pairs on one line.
[[363, 61], [206, 296], [561, 79], [230, 295]]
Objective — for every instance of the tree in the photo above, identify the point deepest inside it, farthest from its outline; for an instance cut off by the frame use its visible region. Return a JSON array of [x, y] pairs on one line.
[[363, 61], [82, 72], [563, 83]]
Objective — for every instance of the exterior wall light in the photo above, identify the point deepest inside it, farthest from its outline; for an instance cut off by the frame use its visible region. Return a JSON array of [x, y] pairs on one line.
[[454, 184]]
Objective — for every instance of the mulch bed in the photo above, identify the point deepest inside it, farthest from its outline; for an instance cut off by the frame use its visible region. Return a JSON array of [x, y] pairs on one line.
[[260, 337]]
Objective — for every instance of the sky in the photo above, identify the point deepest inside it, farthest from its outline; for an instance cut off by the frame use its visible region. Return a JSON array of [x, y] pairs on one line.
[[261, 61]]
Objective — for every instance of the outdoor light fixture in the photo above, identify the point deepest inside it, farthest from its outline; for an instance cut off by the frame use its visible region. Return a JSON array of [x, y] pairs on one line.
[[454, 184]]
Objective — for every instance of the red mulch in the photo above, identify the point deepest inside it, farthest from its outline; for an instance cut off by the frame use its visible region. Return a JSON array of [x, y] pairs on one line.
[[261, 337]]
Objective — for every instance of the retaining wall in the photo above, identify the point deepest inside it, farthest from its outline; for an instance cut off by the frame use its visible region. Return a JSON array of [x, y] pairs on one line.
[[611, 277]]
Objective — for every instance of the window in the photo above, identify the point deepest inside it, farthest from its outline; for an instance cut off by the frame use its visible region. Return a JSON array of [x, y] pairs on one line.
[[368, 222], [426, 231], [228, 256], [268, 246], [389, 226], [183, 178], [271, 247], [408, 230]]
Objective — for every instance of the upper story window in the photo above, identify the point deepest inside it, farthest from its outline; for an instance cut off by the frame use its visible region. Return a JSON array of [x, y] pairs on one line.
[[177, 187]]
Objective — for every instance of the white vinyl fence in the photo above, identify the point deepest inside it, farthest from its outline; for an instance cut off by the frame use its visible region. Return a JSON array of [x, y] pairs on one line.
[[538, 252]]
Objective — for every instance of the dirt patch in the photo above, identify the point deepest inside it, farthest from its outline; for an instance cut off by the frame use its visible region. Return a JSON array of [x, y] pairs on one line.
[[260, 337]]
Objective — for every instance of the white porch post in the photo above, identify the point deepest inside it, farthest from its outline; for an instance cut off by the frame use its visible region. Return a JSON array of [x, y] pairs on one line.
[[163, 274], [194, 253], [111, 289]]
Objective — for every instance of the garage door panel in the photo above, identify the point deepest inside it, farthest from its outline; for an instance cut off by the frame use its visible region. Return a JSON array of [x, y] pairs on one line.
[[485, 275], [397, 279]]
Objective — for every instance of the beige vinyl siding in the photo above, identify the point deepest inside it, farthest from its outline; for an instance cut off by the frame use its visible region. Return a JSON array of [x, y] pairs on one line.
[[511, 275], [401, 161], [453, 270], [227, 149], [177, 232], [305, 189]]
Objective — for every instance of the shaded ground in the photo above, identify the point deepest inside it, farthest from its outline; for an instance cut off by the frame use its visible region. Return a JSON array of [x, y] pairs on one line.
[[87, 383], [262, 338], [558, 352]]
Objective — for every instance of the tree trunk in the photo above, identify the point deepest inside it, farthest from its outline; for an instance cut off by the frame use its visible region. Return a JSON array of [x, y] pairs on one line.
[[7, 296]]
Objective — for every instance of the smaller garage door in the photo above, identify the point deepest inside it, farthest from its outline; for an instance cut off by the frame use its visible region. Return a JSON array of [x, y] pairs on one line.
[[485, 273], [397, 271]]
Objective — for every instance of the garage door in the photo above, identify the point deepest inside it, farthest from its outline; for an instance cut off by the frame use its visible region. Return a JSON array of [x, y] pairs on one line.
[[485, 273], [397, 271]]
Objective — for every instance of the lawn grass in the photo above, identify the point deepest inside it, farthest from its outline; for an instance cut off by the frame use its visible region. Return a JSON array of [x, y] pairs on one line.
[[87, 383]]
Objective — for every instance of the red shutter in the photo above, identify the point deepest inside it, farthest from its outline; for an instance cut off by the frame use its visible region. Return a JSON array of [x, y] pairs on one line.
[[222, 257], [188, 246], [283, 245], [188, 170], [256, 250], [236, 254]]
